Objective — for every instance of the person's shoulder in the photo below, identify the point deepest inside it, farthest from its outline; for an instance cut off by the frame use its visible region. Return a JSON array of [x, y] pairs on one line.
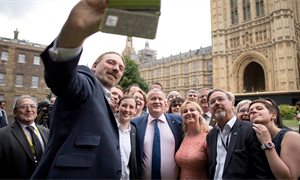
[[42, 128], [173, 116], [138, 119]]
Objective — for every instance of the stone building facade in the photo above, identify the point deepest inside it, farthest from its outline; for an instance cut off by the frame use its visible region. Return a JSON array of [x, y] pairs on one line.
[[21, 71], [256, 45], [255, 48]]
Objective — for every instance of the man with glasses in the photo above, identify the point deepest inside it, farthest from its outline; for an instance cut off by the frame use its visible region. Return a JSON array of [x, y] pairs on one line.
[[23, 142], [233, 149]]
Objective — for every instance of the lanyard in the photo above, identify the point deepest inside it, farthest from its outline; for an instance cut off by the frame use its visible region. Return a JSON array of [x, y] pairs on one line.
[[225, 145]]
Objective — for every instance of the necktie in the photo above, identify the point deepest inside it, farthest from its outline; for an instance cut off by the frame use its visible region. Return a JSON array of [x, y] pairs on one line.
[[156, 152], [38, 151]]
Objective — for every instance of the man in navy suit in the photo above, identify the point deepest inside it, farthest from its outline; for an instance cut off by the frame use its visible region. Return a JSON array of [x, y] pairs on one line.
[[233, 149], [84, 139], [170, 137]]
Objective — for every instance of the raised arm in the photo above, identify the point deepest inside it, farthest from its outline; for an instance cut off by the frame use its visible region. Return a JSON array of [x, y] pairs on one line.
[[82, 22]]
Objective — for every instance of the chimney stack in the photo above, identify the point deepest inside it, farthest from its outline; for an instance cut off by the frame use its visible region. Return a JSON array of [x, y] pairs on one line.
[[16, 32]]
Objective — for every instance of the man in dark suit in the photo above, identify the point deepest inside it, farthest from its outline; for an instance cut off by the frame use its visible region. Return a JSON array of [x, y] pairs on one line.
[[171, 133], [84, 139], [233, 149], [17, 153], [3, 116]]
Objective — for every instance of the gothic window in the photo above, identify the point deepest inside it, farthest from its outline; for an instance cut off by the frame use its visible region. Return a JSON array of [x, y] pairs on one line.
[[234, 12], [260, 8], [246, 9]]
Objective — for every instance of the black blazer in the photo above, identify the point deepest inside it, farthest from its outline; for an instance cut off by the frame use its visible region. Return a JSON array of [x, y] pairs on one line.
[[245, 159], [16, 157], [84, 138]]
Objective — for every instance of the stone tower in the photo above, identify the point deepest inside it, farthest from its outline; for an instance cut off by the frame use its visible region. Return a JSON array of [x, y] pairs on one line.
[[129, 50], [255, 45]]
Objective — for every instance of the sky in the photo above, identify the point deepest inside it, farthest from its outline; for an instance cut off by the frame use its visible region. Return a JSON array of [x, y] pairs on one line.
[[183, 26]]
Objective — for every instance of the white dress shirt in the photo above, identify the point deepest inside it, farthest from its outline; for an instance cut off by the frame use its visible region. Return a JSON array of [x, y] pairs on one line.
[[125, 150], [222, 146], [169, 168]]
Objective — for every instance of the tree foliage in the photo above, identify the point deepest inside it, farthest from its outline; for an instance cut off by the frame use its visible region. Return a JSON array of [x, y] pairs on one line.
[[132, 75]]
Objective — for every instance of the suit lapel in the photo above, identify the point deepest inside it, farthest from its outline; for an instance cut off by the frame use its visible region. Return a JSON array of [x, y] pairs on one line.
[[213, 149], [21, 137], [175, 132], [43, 134], [142, 132], [233, 141]]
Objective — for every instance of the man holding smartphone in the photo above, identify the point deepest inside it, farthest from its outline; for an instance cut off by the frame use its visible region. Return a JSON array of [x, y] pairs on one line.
[[84, 139]]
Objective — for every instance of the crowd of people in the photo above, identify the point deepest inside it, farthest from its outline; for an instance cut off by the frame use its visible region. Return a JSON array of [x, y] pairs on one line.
[[99, 130]]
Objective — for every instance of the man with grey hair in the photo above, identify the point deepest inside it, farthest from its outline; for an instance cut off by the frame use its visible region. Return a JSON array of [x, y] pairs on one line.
[[23, 142], [192, 95], [158, 138], [233, 149]]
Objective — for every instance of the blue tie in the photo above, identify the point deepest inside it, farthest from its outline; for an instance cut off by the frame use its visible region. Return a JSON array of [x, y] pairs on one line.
[[156, 152]]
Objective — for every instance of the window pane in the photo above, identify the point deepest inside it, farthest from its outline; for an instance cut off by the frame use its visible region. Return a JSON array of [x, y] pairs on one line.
[[21, 58], [36, 60], [19, 80], [2, 79], [35, 82], [4, 55]]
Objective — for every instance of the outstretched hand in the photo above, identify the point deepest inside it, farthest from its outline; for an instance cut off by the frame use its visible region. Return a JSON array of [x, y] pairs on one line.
[[83, 21]]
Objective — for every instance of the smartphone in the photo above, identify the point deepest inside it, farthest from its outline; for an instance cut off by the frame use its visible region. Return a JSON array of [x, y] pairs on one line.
[[134, 18]]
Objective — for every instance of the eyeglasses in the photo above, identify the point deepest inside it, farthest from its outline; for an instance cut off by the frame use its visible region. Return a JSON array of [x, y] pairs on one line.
[[243, 110], [175, 105], [27, 106]]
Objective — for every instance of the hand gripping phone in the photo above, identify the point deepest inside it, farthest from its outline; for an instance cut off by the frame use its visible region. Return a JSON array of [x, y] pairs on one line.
[[134, 18]]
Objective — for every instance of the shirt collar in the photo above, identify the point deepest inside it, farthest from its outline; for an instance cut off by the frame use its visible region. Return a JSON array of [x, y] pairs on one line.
[[161, 118], [121, 128], [228, 125]]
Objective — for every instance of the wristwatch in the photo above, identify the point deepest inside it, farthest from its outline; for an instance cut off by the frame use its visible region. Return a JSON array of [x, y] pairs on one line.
[[268, 145]]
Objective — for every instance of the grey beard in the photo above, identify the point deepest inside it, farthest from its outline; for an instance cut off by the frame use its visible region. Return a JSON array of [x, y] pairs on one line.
[[220, 115]]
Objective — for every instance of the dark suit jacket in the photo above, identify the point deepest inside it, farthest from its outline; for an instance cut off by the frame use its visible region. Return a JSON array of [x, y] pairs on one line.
[[84, 138], [133, 167], [16, 157], [245, 159], [140, 123]]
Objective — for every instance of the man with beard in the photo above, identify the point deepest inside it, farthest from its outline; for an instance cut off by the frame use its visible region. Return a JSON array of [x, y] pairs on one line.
[[234, 151], [84, 139]]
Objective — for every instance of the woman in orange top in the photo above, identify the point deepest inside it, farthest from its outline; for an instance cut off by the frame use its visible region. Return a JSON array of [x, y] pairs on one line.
[[192, 156]]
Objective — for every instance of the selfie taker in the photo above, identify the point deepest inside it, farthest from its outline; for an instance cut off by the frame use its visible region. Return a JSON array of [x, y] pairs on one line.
[[84, 139]]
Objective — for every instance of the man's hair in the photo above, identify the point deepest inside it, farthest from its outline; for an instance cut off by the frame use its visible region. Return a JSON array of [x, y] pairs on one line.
[[155, 90], [219, 90], [157, 83], [21, 98], [118, 87], [102, 55], [192, 91]]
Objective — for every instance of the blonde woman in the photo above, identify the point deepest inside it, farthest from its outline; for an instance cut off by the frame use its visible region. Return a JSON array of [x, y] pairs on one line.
[[192, 155]]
